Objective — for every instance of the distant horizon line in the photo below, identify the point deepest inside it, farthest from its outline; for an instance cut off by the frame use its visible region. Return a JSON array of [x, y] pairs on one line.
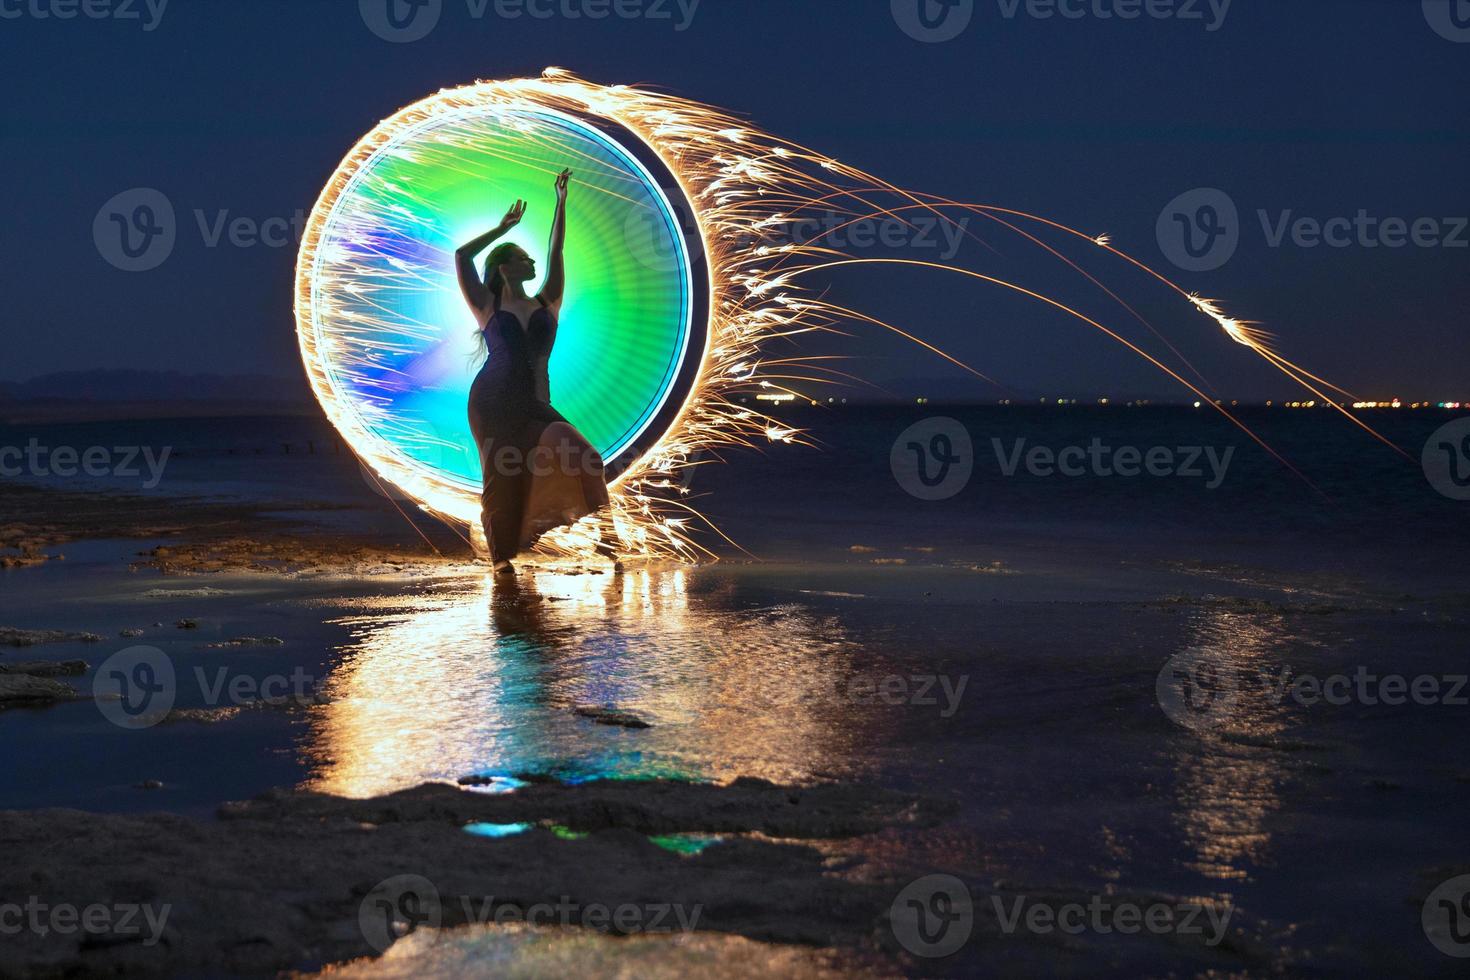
[[914, 395]]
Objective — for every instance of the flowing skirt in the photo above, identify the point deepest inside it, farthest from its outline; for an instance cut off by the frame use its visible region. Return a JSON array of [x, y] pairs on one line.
[[539, 472]]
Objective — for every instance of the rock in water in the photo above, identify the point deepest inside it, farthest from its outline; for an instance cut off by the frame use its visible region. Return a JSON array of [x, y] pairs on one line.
[[45, 668], [611, 716], [10, 636], [24, 689]]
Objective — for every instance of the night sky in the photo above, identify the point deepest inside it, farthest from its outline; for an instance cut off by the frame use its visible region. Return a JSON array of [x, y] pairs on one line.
[[1323, 109]]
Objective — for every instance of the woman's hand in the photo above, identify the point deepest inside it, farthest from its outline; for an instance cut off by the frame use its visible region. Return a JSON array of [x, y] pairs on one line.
[[555, 281], [513, 216]]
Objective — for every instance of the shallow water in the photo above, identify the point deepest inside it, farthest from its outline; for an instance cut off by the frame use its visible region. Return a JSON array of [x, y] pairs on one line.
[[1004, 649]]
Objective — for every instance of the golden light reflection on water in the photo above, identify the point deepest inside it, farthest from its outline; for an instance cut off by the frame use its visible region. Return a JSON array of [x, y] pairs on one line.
[[1227, 785], [479, 677]]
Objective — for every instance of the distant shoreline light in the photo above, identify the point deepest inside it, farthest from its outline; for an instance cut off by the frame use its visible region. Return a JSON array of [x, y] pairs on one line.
[[921, 400]]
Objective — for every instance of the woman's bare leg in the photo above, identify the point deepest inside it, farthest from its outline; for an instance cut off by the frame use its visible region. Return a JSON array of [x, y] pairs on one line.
[[566, 480]]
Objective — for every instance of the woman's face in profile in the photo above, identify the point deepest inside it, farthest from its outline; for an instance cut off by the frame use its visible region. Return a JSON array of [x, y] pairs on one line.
[[519, 266]]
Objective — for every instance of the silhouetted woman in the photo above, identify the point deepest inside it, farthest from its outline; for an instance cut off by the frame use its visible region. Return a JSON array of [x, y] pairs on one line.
[[539, 471]]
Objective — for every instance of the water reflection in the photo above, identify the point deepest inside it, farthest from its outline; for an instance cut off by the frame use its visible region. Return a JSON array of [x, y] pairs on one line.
[[482, 678], [1228, 785]]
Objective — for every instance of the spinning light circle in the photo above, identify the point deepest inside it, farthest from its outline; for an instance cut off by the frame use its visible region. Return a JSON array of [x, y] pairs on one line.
[[687, 280], [387, 339]]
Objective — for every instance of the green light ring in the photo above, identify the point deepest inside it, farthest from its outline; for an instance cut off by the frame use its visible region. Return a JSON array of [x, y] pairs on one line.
[[668, 385]]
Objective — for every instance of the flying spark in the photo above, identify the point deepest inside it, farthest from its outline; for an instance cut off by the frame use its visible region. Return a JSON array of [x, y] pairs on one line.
[[746, 187]]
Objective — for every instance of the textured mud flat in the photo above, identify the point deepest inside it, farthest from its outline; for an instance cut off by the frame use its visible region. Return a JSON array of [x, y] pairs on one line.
[[204, 535], [288, 881]]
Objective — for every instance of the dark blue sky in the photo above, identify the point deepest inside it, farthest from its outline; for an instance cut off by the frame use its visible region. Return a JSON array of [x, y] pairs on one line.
[[1321, 109]]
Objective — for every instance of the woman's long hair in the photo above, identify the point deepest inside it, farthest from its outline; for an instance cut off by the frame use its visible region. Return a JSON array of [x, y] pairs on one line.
[[495, 284]]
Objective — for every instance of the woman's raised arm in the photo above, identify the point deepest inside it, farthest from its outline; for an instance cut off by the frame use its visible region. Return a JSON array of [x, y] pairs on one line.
[[556, 277], [476, 291]]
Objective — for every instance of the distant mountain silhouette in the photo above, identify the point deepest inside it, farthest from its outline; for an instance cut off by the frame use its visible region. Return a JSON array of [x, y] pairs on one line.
[[157, 386], [78, 396]]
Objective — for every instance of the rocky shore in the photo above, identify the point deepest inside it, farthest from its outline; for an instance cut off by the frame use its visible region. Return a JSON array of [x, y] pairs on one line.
[[281, 882], [197, 535]]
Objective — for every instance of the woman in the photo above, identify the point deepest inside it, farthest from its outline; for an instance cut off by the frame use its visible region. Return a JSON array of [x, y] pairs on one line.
[[539, 471]]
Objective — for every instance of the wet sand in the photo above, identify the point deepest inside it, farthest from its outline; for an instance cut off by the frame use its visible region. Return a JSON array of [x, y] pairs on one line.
[[844, 727]]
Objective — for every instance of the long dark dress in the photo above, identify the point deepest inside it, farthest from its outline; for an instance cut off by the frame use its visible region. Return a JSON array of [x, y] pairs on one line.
[[539, 471]]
